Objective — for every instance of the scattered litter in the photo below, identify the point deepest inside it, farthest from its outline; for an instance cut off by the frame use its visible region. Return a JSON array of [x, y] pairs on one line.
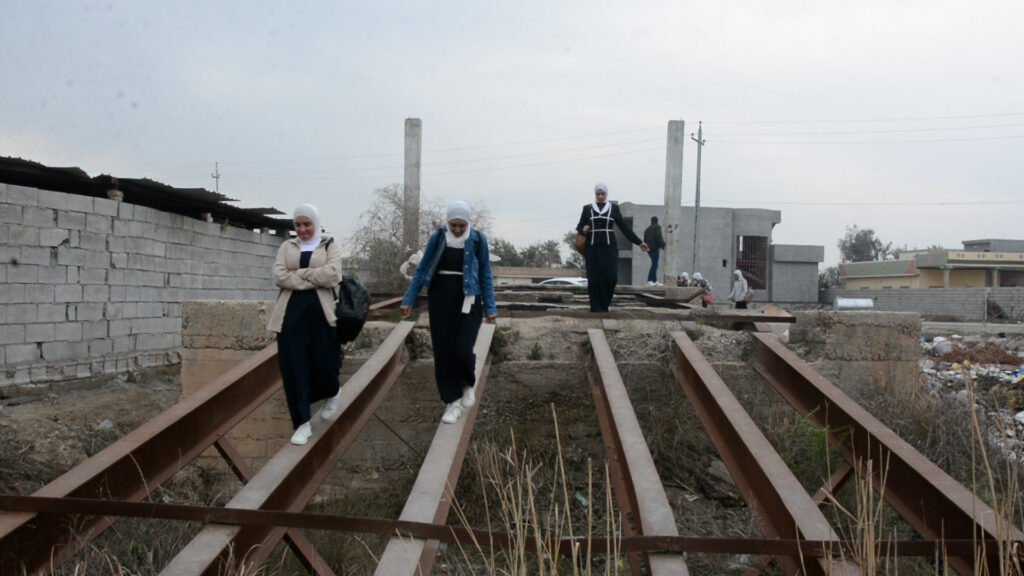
[[581, 500]]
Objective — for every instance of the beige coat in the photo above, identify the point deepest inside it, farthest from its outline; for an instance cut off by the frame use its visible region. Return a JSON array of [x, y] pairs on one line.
[[323, 274]]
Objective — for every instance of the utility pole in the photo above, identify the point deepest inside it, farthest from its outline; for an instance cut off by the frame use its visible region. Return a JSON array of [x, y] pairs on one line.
[[216, 177], [696, 202], [673, 219], [411, 189]]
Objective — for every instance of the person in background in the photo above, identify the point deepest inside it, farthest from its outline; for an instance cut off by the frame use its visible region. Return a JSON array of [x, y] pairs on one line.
[[656, 242], [738, 293], [306, 270], [597, 223], [699, 281], [456, 268], [683, 280]]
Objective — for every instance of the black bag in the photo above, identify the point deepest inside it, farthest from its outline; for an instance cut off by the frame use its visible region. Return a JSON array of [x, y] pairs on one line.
[[351, 308]]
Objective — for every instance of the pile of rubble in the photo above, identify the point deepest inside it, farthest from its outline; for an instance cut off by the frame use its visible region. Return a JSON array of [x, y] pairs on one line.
[[989, 370]]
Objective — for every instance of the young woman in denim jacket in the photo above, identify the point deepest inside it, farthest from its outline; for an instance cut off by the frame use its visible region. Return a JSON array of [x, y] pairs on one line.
[[456, 268]]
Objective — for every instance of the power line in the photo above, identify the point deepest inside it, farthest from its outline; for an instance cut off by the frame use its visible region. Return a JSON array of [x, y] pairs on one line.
[[911, 119], [891, 131]]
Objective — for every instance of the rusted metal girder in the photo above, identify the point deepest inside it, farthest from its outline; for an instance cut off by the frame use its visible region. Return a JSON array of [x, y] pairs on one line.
[[134, 465], [783, 507], [431, 495], [292, 476], [297, 541], [932, 501], [638, 487]]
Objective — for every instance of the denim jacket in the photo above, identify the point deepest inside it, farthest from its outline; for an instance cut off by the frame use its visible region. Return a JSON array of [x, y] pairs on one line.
[[476, 276]]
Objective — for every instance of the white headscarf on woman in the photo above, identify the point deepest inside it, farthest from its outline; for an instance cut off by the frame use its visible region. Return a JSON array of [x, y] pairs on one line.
[[697, 276], [309, 211], [457, 210]]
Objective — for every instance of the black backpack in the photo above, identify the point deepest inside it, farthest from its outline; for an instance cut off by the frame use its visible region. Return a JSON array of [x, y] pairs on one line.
[[351, 309]]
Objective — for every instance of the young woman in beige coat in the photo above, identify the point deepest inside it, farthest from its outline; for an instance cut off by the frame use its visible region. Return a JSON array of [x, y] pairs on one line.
[[309, 354]]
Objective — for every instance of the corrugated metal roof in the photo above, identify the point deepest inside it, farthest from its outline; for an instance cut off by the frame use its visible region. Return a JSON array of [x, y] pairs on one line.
[[192, 202]]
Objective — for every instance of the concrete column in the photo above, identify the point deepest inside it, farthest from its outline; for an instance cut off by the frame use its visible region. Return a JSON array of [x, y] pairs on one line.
[[413, 147], [995, 277], [945, 277], [672, 258]]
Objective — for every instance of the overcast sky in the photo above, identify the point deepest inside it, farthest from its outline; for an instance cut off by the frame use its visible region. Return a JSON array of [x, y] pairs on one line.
[[902, 116]]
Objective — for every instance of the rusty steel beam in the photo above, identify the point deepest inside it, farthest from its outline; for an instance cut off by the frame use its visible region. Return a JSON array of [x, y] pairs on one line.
[[431, 494], [297, 541], [131, 467], [622, 485], [292, 476], [653, 513], [783, 507], [929, 499]]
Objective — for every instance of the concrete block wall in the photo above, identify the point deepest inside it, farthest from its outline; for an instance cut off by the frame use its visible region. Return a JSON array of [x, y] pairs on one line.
[[964, 304], [92, 287]]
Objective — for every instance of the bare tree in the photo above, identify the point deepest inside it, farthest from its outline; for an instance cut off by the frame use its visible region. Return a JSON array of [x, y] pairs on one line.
[[375, 247]]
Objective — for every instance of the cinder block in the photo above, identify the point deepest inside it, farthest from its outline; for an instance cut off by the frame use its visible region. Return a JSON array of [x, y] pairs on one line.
[[11, 213], [39, 293], [38, 332], [93, 276], [147, 325], [52, 236], [94, 330], [21, 313], [123, 344], [73, 202], [70, 256], [97, 259], [119, 328], [98, 223], [154, 341], [35, 255], [145, 246], [73, 272], [104, 206], [68, 331], [51, 313], [55, 351], [13, 333], [21, 353], [101, 348], [68, 293], [119, 261], [22, 273], [92, 241], [117, 288], [115, 244], [96, 293], [23, 235], [22, 195], [38, 217], [125, 210], [90, 312], [150, 309], [12, 293], [70, 220]]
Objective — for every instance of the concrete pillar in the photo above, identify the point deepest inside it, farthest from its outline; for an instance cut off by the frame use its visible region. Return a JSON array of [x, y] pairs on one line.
[[413, 147], [945, 277], [995, 277], [672, 259]]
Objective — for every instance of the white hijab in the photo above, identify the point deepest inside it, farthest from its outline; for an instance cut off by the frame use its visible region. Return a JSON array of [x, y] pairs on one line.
[[309, 211], [457, 210]]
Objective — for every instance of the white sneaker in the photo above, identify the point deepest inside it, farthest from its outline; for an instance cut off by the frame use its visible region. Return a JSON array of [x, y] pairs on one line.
[[302, 434], [468, 397], [649, 283], [452, 412], [330, 408]]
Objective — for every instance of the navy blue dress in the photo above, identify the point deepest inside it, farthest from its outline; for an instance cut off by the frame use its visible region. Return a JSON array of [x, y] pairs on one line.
[[308, 351], [452, 333]]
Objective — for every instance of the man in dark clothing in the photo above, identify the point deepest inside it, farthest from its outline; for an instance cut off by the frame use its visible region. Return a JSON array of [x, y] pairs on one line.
[[656, 242], [597, 223]]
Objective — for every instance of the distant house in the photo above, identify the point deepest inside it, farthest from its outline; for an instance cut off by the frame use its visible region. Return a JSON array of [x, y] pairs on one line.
[[981, 263]]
